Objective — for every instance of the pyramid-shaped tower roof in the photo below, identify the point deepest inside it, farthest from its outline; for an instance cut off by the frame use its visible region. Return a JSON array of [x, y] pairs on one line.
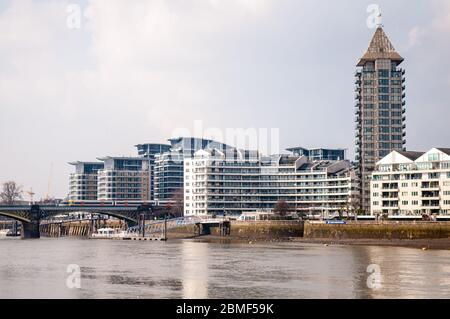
[[380, 48]]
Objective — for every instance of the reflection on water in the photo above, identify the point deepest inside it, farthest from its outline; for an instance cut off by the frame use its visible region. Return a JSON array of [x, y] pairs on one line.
[[192, 269]]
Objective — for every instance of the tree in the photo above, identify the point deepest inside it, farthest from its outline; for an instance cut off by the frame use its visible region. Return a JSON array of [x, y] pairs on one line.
[[351, 207], [176, 209], [11, 193], [282, 208]]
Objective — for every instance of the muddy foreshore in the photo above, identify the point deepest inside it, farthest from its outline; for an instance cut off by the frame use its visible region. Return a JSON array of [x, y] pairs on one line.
[[424, 244]]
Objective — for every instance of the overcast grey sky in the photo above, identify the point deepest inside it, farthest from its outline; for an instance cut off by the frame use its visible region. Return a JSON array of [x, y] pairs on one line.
[[137, 70]]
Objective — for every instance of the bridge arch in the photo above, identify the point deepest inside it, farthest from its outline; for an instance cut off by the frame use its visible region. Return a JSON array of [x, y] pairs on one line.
[[20, 217]]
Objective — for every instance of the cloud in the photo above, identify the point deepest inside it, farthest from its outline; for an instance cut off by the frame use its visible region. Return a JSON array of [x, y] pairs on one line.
[[137, 70]]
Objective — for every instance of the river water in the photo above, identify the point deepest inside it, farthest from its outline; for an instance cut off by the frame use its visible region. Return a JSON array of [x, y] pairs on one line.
[[198, 269]]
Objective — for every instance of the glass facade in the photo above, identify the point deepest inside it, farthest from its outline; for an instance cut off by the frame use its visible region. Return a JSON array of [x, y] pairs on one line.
[[319, 154], [150, 151]]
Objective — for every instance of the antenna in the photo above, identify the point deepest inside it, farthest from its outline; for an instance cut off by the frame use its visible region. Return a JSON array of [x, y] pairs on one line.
[[380, 19], [47, 196], [31, 194]]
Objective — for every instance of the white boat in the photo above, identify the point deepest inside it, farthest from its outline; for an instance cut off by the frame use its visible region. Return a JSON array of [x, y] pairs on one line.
[[4, 233], [109, 233]]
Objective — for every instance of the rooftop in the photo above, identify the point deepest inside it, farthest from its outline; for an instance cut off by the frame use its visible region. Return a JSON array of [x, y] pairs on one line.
[[380, 48], [412, 155]]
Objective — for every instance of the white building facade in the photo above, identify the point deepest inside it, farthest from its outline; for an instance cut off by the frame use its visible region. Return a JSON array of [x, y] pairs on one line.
[[412, 183], [244, 181]]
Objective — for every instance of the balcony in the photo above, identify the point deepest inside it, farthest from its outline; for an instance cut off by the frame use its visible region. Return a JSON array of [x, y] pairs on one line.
[[389, 205], [430, 185], [390, 187]]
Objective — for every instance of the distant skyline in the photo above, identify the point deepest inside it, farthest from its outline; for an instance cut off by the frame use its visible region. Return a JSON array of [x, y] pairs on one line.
[[138, 71]]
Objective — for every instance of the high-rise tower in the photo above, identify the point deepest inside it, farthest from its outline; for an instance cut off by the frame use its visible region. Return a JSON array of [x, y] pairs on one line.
[[380, 108]]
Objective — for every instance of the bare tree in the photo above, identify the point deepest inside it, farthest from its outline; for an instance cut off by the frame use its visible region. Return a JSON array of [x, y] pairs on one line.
[[282, 208], [176, 208], [11, 193], [351, 207]]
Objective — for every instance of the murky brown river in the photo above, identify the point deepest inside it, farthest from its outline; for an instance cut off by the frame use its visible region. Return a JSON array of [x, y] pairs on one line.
[[192, 269]]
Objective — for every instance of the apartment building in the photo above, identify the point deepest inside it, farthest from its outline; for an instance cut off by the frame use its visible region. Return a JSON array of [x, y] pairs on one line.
[[412, 183], [319, 154], [169, 166], [124, 179], [150, 151], [83, 183], [238, 181], [380, 108]]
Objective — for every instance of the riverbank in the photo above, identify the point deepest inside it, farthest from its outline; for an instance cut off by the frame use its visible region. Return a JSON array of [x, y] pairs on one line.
[[423, 244]]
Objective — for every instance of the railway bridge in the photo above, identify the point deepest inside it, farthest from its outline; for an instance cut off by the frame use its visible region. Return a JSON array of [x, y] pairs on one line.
[[31, 216]]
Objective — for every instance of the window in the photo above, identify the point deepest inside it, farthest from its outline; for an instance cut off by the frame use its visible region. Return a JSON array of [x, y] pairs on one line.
[[433, 157], [405, 202], [383, 73], [404, 184], [384, 89], [424, 166]]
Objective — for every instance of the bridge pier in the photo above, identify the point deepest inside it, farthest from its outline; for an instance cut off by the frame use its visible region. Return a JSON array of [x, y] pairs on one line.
[[30, 230]]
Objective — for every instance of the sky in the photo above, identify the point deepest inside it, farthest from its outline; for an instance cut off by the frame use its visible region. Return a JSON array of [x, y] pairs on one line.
[[78, 87]]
